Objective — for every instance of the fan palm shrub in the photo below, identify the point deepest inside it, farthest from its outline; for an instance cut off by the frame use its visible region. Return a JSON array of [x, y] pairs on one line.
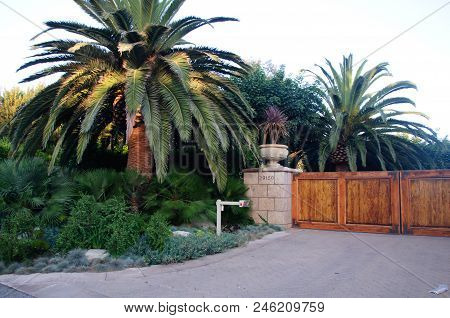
[[234, 191], [183, 197], [26, 187], [104, 184], [359, 121], [186, 197], [136, 77]]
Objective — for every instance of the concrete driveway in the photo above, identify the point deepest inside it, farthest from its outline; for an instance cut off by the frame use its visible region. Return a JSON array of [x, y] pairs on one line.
[[297, 263]]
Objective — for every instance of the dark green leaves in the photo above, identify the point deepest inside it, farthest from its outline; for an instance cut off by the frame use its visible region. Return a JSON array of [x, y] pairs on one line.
[[135, 89]]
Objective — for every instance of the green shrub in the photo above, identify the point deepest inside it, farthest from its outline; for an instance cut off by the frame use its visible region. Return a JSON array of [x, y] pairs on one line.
[[83, 227], [13, 249], [106, 225], [20, 238], [158, 231], [20, 223], [123, 229]]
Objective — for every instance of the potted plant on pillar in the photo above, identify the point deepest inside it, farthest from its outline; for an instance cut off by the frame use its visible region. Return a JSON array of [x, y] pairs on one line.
[[273, 128]]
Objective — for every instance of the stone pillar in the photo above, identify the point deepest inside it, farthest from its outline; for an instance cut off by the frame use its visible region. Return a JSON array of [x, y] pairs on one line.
[[270, 192]]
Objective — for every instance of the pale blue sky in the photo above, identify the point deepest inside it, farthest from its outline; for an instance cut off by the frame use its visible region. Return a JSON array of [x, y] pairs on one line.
[[297, 33]]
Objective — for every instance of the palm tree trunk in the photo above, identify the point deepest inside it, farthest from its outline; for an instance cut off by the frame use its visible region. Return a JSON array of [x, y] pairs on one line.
[[342, 167], [140, 156], [339, 158]]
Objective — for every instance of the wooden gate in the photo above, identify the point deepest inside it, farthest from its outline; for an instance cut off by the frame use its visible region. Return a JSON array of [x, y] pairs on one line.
[[408, 202], [425, 199], [353, 201]]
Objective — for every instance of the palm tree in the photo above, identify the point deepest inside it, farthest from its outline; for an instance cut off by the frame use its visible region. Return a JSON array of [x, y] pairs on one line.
[[138, 79], [361, 123]]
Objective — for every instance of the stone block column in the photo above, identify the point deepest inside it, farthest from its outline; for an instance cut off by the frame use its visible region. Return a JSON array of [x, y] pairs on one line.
[[270, 192]]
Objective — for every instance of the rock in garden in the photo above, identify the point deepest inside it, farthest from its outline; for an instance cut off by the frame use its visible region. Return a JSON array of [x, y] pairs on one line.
[[181, 233], [92, 255]]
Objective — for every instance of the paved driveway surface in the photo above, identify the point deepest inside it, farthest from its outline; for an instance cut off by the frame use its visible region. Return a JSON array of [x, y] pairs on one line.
[[297, 263], [7, 292]]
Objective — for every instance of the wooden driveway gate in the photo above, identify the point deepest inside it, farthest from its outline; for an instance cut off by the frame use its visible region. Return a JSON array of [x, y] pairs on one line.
[[410, 202], [425, 201]]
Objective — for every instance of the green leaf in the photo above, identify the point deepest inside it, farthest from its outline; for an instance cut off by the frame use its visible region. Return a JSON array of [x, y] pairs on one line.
[[135, 89], [177, 101], [351, 155], [96, 101]]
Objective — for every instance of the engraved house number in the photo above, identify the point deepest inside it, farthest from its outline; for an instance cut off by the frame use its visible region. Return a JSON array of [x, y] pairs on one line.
[[266, 178]]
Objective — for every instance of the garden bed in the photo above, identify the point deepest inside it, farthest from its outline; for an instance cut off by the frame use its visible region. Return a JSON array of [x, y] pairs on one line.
[[176, 249]]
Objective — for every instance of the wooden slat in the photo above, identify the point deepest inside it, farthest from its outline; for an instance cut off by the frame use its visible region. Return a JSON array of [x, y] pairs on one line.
[[348, 227], [342, 200], [430, 231], [295, 198], [395, 202]]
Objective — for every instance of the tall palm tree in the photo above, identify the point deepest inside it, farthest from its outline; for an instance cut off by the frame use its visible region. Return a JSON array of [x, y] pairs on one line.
[[359, 121], [137, 77]]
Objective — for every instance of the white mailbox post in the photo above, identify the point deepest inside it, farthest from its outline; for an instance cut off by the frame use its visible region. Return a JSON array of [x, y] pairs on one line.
[[220, 207]]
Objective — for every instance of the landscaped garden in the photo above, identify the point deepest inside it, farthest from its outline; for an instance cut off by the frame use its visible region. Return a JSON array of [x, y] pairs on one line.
[[120, 161]]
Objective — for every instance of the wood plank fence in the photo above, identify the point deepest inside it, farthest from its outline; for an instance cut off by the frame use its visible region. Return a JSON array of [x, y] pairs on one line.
[[408, 202]]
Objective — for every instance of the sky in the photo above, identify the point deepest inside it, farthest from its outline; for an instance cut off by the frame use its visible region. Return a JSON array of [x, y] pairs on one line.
[[294, 33]]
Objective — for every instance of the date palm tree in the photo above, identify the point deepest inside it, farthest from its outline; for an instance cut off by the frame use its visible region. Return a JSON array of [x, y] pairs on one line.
[[136, 77], [360, 122]]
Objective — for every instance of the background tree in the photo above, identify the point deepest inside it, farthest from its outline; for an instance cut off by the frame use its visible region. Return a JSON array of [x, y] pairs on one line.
[[363, 123], [269, 85], [439, 152], [11, 100], [136, 78]]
